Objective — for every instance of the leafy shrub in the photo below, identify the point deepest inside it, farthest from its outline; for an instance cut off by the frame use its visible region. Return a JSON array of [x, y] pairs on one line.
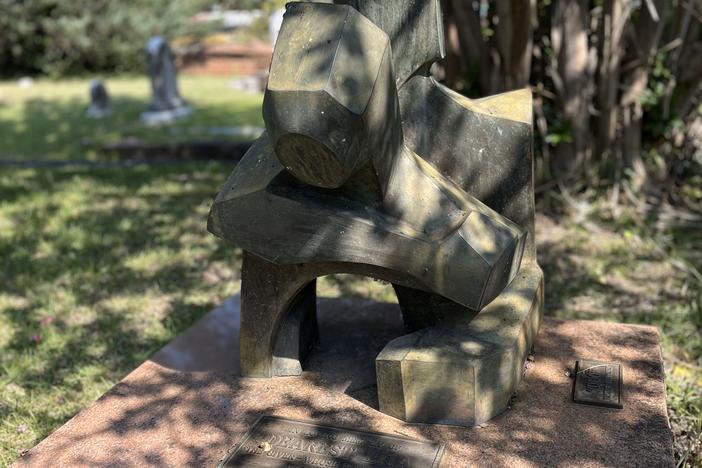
[[58, 37]]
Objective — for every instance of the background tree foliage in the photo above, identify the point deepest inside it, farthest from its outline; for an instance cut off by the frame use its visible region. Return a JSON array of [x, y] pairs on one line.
[[617, 83], [58, 37]]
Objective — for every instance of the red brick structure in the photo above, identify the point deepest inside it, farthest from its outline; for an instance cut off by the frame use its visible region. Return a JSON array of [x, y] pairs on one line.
[[227, 59]]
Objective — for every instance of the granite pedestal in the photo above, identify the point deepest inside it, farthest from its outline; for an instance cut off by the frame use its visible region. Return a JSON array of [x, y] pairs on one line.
[[187, 406]]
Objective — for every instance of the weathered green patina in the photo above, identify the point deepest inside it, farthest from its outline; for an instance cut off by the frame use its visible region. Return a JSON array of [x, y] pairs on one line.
[[369, 166]]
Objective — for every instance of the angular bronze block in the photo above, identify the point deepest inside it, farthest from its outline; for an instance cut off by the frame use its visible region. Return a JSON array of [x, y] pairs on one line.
[[354, 176], [329, 104], [465, 372], [416, 32]]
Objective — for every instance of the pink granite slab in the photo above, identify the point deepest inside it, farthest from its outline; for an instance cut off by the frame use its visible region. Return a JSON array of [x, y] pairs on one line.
[[187, 407]]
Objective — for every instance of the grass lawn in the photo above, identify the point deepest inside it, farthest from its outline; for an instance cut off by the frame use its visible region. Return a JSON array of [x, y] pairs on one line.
[[99, 269], [47, 120]]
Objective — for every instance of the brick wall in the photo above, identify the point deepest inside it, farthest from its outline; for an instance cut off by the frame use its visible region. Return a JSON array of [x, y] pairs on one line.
[[227, 59]]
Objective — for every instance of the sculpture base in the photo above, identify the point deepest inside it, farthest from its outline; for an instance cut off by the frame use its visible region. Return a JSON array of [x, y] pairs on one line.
[[164, 117], [463, 372], [186, 406]]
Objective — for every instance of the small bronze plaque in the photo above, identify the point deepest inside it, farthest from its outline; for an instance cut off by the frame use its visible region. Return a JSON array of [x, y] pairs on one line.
[[280, 442], [598, 383]]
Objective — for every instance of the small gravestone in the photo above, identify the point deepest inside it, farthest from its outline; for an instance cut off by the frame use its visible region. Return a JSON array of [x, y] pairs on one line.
[[99, 100], [166, 103]]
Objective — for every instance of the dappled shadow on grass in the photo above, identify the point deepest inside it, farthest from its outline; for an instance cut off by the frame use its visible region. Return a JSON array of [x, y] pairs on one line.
[[100, 269], [593, 273], [355, 286], [53, 128]]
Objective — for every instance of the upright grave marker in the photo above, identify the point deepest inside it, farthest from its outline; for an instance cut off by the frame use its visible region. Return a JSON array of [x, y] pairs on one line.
[[99, 100], [166, 103]]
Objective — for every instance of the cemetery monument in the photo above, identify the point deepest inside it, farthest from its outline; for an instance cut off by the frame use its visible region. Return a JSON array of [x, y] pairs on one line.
[[369, 166], [166, 103]]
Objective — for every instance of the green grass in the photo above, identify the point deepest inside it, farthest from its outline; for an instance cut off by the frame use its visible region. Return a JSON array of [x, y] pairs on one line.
[[100, 268], [47, 120]]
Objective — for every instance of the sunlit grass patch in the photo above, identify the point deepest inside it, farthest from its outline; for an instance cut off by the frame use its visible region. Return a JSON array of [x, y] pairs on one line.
[[48, 121]]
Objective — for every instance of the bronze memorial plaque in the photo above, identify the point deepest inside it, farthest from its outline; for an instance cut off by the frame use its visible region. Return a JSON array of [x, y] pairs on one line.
[[279, 442], [598, 383]]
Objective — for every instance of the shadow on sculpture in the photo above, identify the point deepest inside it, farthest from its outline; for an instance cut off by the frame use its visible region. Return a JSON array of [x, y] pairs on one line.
[[166, 103], [369, 166]]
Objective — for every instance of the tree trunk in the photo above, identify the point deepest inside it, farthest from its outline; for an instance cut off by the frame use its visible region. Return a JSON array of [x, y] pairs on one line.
[[454, 65], [612, 24], [648, 30], [470, 38], [689, 75], [569, 71], [513, 37]]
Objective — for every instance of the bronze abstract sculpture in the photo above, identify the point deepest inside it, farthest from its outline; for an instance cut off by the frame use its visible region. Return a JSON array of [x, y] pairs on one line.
[[369, 166]]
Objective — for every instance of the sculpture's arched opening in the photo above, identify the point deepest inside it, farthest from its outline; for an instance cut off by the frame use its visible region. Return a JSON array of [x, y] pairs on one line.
[[343, 315], [293, 313], [356, 316], [355, 285], [335, 326]]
